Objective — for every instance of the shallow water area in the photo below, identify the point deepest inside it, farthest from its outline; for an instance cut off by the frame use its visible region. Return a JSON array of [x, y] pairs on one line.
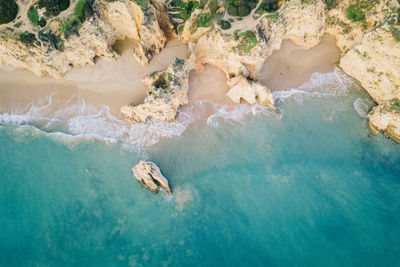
[[251, 187]]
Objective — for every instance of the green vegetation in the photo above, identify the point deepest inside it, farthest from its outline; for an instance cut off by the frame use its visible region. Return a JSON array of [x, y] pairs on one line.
[[208, 16], [83, 10], [42, 22], [54, 40], [204, 20], [355, 12], [331, 4], [18, 24], [213, 6], [178, 63], [53, 7], [161, 82], [241, 8], [33, 15], [142, 3], [182, 10], [395, 32], [398, 16], [395, 105], [27, 38], [268, 6], [248, 40], [224, 24], [274, 17], [8, 11]]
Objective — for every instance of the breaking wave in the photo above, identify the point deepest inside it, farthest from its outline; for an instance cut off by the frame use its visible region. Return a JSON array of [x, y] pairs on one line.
[[77, 118], [330, 84]]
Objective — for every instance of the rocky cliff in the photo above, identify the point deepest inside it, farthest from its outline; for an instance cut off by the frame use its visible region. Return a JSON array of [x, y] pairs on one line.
[[50, 37]]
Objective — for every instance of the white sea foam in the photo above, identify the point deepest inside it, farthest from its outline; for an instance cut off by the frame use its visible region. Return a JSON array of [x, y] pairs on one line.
[[362, 106], [330, 84], [77, 119]]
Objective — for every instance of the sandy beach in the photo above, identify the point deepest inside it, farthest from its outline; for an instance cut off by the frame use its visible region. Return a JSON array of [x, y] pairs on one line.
[[291, 65], [118, 83]]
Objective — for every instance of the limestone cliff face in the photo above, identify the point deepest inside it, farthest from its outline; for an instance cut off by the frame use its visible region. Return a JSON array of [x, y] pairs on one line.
[[386, 118], [371, 49], [375, 63], [167, 91], [303, 22], [85, 30], [348, 21]]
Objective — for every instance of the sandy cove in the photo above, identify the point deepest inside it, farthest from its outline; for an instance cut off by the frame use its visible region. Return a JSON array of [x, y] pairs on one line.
[[112, 83]]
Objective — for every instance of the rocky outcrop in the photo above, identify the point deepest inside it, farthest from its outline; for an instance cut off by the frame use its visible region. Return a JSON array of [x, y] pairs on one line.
[[167, 91], [373, 58], [251, 92], [386, 118], [52, 44], [375, 63], [349, 20], [242, 53], [150, 176]]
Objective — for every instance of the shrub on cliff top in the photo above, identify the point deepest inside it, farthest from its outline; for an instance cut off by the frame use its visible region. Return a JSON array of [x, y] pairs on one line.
[[331, 4], [396, 33], [224, 24], [268, 6], [395, 105], [84, 10], [27, 38], [33, 15], [248, 41], [355, 13], [8, 11], [241, 8], [53, 7]]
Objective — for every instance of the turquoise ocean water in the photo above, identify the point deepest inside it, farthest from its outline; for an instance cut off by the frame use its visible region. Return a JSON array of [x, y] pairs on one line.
[[309, 187]]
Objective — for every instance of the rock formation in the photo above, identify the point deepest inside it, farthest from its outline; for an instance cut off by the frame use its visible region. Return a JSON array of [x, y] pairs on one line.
[[235, 36], [386, 118], [49, 42], [166, 92], [150, 176]]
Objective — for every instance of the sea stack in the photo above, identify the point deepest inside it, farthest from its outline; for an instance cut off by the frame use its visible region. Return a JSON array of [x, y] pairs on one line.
[[150, 176]]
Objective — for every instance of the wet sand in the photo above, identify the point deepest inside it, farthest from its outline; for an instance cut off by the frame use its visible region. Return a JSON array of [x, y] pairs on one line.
[[118, 83], [210, 84], [106, 83], [292, 66]]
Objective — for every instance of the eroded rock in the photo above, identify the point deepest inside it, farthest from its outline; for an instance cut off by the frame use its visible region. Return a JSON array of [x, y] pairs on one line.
[[250, 92], [386, 118], [87, 29], [167, 91], [150, 176]]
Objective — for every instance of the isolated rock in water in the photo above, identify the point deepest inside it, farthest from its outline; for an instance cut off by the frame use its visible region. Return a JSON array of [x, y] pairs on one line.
[[150, 176]]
